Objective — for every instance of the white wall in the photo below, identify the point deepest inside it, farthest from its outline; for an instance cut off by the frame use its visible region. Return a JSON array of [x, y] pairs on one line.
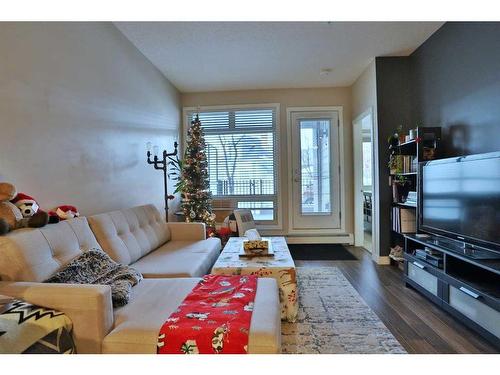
[[364, 92], [77, 104], [364, 98], [336, 96]]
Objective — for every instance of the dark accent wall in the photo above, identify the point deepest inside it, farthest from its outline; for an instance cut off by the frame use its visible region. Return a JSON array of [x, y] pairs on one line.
[[393, 109], [452, 80], [456, 85]]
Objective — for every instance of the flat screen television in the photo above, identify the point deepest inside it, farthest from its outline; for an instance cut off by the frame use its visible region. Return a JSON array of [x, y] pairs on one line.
[[460, 199]]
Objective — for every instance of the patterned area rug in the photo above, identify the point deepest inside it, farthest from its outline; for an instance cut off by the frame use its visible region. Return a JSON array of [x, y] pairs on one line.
[[333, 318]]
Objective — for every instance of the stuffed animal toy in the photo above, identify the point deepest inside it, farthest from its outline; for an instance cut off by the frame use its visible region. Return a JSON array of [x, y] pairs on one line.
[[62, 213], [26, 204], [36, 218], [11, 216], [9, 213], [67, 212], [53, 217]]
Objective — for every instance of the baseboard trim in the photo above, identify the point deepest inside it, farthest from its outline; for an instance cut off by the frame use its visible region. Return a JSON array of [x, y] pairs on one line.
[[344, 239]]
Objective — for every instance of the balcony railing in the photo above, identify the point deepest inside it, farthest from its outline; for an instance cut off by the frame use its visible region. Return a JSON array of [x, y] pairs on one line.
[[243, 187]]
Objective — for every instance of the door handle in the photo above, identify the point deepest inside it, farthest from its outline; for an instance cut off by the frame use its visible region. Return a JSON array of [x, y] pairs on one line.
[[469, 292], [421, 266]]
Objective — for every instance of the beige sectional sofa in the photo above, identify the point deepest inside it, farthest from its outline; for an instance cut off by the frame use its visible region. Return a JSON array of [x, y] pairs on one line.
[[137, 237]]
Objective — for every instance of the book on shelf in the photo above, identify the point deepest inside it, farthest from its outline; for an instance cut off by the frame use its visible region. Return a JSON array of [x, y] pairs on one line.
[[404, 164], [411, 198], [404, 220]]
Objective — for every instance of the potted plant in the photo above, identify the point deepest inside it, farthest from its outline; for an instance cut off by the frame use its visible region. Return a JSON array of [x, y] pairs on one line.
[[175, 173], [394, 164]]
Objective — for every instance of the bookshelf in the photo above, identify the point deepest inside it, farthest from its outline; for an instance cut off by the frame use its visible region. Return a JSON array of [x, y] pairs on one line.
[[403, 180]]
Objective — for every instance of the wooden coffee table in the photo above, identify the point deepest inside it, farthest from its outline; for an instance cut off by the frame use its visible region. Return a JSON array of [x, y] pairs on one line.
[[280, 267]]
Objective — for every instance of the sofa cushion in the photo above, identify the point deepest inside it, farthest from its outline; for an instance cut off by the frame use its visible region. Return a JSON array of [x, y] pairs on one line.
[[153, 300], [180, 259], [35, 254], [129, 234]]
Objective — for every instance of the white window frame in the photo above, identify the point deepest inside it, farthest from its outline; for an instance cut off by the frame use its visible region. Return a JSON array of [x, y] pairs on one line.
[[337, 231], [277, 224]]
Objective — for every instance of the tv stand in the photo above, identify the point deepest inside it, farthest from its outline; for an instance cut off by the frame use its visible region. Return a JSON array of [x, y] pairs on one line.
[[461, 248], [465, 285]]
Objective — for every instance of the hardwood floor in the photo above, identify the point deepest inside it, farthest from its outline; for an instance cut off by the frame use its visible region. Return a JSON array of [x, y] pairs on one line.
[[419, 325]]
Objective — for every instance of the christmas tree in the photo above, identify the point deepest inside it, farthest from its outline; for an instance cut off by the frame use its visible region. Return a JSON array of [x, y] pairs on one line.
[[196, 197]]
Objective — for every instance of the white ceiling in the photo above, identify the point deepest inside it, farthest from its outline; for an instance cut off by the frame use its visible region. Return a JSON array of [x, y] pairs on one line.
[[212, 56]]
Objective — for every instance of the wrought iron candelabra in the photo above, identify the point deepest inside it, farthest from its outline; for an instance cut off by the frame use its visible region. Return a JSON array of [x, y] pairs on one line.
[[161, 164]]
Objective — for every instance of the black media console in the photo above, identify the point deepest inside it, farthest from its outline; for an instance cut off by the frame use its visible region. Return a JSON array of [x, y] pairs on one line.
[[459, 280]]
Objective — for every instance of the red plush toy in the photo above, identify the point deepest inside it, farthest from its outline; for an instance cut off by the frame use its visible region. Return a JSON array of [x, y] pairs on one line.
[[67, 212]]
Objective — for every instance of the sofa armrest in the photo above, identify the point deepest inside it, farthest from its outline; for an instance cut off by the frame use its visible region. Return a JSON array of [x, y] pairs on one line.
[[88, 306], [187, 231]]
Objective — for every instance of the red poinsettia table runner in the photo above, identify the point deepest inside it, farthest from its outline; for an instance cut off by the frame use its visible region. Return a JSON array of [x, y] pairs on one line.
[[213, 319]]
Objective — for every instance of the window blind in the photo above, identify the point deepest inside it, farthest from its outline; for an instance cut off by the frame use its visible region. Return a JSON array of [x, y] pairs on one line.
[[241, 153]]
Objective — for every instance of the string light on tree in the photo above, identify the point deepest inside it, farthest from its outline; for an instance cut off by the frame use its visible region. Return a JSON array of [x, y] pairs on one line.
[[196, 197]]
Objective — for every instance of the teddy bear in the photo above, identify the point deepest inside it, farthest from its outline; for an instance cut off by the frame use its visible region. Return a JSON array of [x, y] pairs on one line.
[[26, 204], [18, 210], [9, 213], [36, 218]]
